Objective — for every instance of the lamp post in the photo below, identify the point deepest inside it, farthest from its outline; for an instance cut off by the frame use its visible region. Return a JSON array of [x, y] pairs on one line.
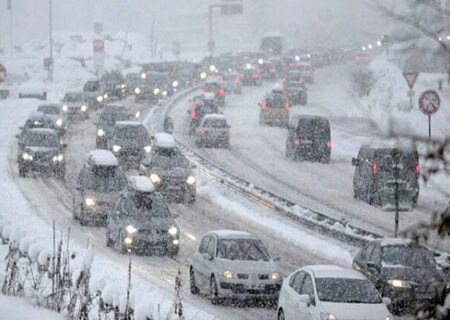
[[50, 62]]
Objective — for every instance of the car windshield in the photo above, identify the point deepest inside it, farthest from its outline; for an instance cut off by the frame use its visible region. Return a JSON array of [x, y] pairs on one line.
[[342, 290], [242, 249], [103, 179], [149, 205], [73, 97], [112, 117], [49, 109], [215, 123], [34, 139], [408, 256], [168, 160], [405, 163], [136, 133], [276, 101], [92, 86], [212, 86], [40, 123]]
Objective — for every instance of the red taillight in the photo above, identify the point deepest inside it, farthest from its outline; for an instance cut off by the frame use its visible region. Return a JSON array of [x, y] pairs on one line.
[[255, 76], [297, 142], [227, 133], [286, 105], [271, 70], [241, 76], [220, 92], [264, 104], [221, 80], [328, 144], [375, 168], [417, 170], [193, 115]]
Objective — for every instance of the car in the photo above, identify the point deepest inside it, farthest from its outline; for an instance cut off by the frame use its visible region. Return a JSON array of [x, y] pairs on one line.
[[54, 112], [98, 185], [309, 138], [306, 72], [201, 106], [250, 76], [113, 84], [296, 92], [95, 95], [232, 83], [106, 121], [267, 69], [75, 106], [129, 142], [153, 86], [37, 119], [141, 221], [274, 108], [132, 81], [329, 292], [377, 168], [169, 170], [294, 76], [402, 271], [40, 150], [213, 130], [235, 265], [214, 85]]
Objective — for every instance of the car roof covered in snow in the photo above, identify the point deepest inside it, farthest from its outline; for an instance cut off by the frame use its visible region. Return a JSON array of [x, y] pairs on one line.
[[49, 105], [128, 123], [102, 158], [387, 145], [232, 234], [113, 106], [164, 140], [41, 131], [141, 184], [332, 271], [385, 242], [214, 116]]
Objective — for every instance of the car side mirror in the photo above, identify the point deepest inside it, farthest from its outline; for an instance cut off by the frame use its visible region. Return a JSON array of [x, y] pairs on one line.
[[207, 257], [387, 301], [355, 162], [64, 146], [304, 298]]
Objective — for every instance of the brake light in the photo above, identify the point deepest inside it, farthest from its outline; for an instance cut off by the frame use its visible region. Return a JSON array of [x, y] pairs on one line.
[[227, 133], [271, 70], [328, 144], [221, 92], [297, 142], [264, 104], [286, 105], [417, 170], [375, 168], [255, 76], [241, 76], [193, 115], [302, 81]]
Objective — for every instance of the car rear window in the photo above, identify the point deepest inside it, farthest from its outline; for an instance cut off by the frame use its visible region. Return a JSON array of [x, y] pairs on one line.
[[215, 123], [313, 128]]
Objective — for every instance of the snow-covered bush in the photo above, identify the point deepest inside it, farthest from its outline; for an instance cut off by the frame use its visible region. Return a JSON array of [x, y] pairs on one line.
[[362, 81]]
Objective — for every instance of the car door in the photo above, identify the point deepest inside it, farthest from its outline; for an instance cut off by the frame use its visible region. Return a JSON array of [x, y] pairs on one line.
[[308, 310], [374, 265], [291, 311], [204, 265], [197, 262], [364, 258]]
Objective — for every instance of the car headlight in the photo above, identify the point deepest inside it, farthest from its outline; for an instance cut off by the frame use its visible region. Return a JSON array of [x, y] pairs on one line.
[[388, 318], [275, 275], [156, 91], [398, 283], [83, 108], [143, 75], [155, 178], [190, 180], [116, 148], [90, 202], [131, 229], [203, 75], [164, 93], [137, 114], [137, 90], [100, 98], [100, 132], [59, 122], [173, 231], [27, 156], [58, 158], [175, 84], [228, 274], [327, 316], [65, 108], [148, 149], [175, 242], [105, 96], [128, 241]]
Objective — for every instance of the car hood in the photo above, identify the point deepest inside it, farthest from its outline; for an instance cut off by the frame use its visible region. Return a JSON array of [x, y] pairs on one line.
[[249, 267], [153, 223], [172, 172], [102, 196], [415, 275], [33, 149], [129, 144], [356, 311], [74, 105]]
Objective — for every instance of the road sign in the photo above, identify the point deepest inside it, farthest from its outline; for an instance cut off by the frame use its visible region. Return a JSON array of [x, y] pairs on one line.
[[410, 78], [2, 73], [99, 45], [429, 102]]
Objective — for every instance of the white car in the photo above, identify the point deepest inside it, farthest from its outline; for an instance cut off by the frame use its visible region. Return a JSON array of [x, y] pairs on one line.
[[235, 265], [330, 293]]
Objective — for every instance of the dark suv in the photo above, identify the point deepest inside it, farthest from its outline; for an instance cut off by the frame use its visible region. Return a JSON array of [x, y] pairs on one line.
[[378, 173], [41, 150], [309, 137], [37, 119], [296, 92], [402, 271], [106, 121]]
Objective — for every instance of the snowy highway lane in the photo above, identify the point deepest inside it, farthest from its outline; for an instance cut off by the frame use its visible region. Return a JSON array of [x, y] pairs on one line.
[[47, 199], [257, 153]]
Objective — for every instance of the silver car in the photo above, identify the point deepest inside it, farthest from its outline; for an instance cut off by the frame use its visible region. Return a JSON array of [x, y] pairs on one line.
[[213, 131], [234, 264], [99, 184], [74, 106]]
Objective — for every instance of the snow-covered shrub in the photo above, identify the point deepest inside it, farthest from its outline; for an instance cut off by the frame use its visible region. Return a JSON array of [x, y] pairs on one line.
[[362, 81]]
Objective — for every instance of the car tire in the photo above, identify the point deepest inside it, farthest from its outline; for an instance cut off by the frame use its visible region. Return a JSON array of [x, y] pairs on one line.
[[60, 173], [214, 291], [194, 289], [281, 315], [109, 241], [80, 217], [191, 198], [288, 151], [22, 171]]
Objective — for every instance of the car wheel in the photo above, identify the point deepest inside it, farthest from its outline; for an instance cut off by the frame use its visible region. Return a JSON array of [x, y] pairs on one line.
[[191, 198], [109, 241], [281, 314], [80, 218], [60, 173], [214, 291], [22, 171], [194, 289]]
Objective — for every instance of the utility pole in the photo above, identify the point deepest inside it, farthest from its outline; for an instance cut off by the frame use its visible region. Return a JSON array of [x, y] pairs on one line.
[[9, 7], [396, 191], [50, 17]]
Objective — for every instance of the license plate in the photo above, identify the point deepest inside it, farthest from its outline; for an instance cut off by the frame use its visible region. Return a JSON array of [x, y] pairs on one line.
[[255, 286], [424, 296]]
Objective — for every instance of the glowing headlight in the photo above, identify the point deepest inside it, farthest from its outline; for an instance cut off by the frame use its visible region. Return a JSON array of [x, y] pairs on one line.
[[59, 122], [228, 274], [260, 60], [83, 108], [388, 318], [155, 178], [65, 108], [212, 68], [105, 96], [325, 316], [203, 75], [137, 114], [116, 148], [130, 229], [128, 241], [27, 156], [90, 202], [148, 149], [275, 275], [58, 158], [143, 75], [100, 132], [99, 98], [137, 90], [176, 242], [190, 180], [164, 93], [173, 231], [398, 283], [175, 84], [156, 91], [297, 58]]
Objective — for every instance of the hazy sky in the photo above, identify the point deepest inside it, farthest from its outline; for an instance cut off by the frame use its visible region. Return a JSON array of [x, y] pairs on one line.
[[303, 21]]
